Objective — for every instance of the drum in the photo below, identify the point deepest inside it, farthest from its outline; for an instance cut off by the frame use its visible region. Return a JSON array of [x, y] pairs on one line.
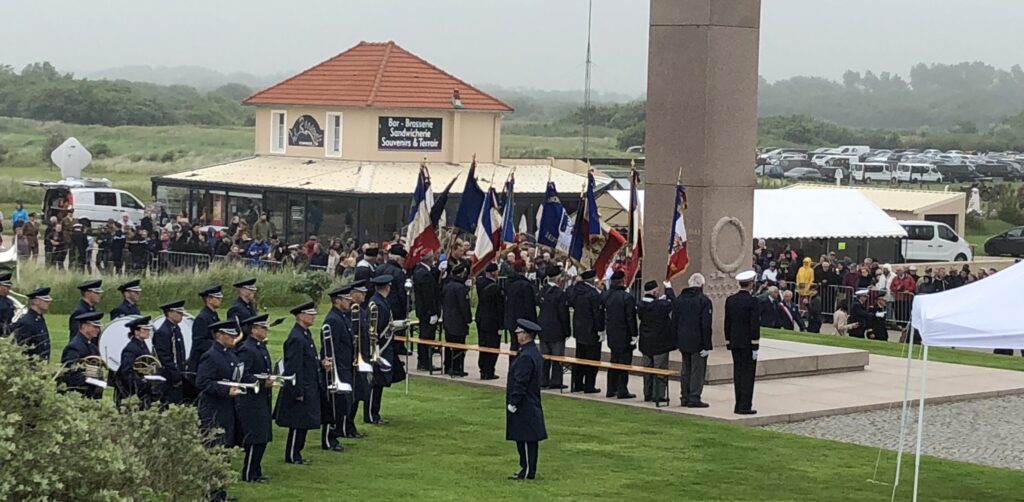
[[114, 338]]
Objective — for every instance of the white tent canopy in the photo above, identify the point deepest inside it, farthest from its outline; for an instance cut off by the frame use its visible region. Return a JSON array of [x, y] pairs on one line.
[[984, 314], [781, 214]]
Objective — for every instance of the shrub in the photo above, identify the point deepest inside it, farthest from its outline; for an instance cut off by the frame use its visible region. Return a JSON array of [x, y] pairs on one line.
[[100, 151], [312, 284], [63, 447], [975, 223], [168, 156]]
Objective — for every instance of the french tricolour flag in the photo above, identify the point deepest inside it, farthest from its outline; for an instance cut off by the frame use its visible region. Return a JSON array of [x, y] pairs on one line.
[[421, 235], [677, 256], [488, 233]]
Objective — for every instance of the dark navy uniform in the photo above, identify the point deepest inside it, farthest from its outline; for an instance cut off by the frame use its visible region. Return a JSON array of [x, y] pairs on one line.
[[587, 323], [336, 406], [128, 382], [169, 345], [79, 347], [457, 316], [298, 403], [241, 310], [82, 307], [202, 339], [123, 309], [427, 296], [556, 327], [254, 410], [520, 303], [524, 415], [31, 332], [398, 299], [216, 406], [6, 315], [490, 313], [743, 335], [620, 321], [382, 376]]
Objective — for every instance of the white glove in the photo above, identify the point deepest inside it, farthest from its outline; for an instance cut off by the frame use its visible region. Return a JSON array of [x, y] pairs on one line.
[[532, 276], [511, 408], [433, 319], [443, 266], [704, 353], [668, 284], [601, 335], [755, 355], [469, 283], [632, 341]]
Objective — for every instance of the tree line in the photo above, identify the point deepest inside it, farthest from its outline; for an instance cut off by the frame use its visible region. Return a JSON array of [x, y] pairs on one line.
[[41, 92]]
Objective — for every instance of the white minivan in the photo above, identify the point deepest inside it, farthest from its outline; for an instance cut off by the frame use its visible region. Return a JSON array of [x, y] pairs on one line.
[[866, 172], [91, 198], [933, 241], [917, 173]]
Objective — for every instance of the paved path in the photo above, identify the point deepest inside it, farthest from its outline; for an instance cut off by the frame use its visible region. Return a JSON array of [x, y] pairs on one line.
[[983, 431]]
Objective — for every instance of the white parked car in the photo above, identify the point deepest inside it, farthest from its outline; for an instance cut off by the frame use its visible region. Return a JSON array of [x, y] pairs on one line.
[[917, 173], [933, 241], [91, 198], [867, 172]]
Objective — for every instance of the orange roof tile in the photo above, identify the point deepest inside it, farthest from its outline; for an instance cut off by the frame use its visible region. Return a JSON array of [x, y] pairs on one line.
[[377, 75]]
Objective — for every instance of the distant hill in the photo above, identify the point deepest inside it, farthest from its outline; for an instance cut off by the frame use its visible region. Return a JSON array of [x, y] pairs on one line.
[[202, 78]]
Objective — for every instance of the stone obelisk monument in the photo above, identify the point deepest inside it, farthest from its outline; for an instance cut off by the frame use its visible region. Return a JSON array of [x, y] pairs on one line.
[[702, 117]]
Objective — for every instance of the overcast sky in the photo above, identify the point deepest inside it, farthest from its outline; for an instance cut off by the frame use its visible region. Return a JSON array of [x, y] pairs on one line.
[[515, 43]]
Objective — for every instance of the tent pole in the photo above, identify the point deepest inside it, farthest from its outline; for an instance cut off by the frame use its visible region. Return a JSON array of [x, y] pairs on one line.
[[903, 414], [920, 422]]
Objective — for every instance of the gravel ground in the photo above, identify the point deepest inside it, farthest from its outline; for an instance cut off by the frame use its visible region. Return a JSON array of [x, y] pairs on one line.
[[984, 431]]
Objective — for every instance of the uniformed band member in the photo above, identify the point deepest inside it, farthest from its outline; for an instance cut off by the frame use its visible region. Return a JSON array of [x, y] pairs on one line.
[[361, 388], [81, 346], [657, 338], [457, 316], [30, 331], [245, 305], [587, 324], [92, 293], [426, 289], [490, 313], [742, 335], [131, 291], [556, 327], [337, 331], [217, 401], [524, 416], [254, 409], [6, 305], [202, 338], [298, 404], [520, 300], [620, 321], [383, 371], [169, 346], [691, 317], [128, 381]]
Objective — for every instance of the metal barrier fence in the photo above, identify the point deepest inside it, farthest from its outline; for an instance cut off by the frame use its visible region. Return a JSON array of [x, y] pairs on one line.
[[142, 262], [897, 306]]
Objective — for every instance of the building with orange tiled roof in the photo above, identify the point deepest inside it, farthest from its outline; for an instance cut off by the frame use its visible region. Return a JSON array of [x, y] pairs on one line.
[[338, 148]]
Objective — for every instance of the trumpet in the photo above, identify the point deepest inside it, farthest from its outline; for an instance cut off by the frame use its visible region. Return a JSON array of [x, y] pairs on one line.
[[336, 386], [276, 378], [358, 364], [243, 388]]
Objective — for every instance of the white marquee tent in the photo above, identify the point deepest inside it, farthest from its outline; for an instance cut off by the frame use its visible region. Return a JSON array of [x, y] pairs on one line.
[[983, 315]]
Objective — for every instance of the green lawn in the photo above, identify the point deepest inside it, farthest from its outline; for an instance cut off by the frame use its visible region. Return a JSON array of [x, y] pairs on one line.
[[446, 442], [989, 228], [968, 357]]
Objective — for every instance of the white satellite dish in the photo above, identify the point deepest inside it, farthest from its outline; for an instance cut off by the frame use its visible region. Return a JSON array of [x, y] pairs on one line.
[[71, 157]]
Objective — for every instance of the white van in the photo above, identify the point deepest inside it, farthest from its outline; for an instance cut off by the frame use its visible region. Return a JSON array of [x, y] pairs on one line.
[[91, 198], [857, 150], [933, 241], [914, 173], [866, 172]]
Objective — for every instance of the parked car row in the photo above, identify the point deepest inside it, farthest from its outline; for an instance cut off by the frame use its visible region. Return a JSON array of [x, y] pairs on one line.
[[951, 166]]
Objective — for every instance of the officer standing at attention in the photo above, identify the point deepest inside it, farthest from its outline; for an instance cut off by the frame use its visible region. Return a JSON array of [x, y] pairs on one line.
[[427, 295], [298, 403], [520, 300], [657, 338], [6, 305], [217, 401], [337, 339], [556, 327], [92, 293], [30, 331], [245, 305], [384, 367], [742, 335], [129, 382], [131, 291], [398, 303], [202, 338], [82, 345], [254, 409], [524, 416], [457, 316], [620, 320], [587, 326], [490, 312], [169, 345]]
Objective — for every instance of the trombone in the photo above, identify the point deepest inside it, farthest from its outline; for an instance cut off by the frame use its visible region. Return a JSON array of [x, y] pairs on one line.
[[375, 357], [335, 385], [359, 365]]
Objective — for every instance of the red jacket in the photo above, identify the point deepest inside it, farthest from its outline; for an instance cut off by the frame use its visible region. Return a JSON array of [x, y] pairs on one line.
[[903, 287]]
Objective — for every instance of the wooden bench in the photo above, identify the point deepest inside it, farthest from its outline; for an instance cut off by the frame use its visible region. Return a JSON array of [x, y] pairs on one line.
[[660, 381]]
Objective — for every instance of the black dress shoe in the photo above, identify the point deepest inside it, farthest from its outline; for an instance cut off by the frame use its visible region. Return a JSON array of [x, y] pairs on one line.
[[356, 435], [746, 412], [489, 377], [463, 374], [626, 396], [265, 478], [609, 395], [558, 386], [592, 391], [300, 462], [699, 404], [337, 447], [517, 477]]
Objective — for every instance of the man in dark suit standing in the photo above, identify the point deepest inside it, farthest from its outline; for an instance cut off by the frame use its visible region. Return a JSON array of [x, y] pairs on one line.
[[427, 298], [245, 305], [524, 416], [457, 316], [555, 327], [490, 312], [743, 335], [520, 300], [169, 346], [202, 338], [691, 318], [298, 404], [587, 327], [255, 409], [620, 321], [657, 338]]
